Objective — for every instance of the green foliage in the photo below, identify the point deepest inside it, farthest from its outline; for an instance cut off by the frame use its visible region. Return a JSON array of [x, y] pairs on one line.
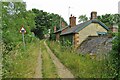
[[115, 55], [18, 63], [16, 59], [66, 44], [52, 36], [67, 41], [82, 66], [109, 19], [45, 21], [11, 24], [82, 18]]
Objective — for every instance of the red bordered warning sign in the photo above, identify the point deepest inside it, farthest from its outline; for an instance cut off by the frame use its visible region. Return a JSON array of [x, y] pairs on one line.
[[22, 30]]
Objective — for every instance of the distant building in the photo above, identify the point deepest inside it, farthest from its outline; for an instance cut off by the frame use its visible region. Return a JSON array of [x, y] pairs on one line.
[[76, 34], [119, 7]]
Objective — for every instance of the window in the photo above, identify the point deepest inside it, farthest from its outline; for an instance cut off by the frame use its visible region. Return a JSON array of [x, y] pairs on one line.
[[101, 33]]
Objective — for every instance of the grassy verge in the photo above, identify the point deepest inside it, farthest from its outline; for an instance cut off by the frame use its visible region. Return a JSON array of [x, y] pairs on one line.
[[20, 62], [80, 65], [49, 70]]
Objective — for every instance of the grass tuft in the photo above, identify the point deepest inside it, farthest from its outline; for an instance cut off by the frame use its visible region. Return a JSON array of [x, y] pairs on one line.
[[82, 66], [20, 63]]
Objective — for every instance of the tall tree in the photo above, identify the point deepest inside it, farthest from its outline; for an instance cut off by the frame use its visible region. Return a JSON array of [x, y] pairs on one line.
[[45, 21]]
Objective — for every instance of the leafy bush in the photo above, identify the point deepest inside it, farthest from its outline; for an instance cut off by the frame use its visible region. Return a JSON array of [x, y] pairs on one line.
[[16, 58], [82, 66], [18, 63]]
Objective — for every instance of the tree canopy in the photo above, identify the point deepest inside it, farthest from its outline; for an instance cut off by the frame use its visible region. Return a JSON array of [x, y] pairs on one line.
[[82, 18], [109, 19], [45, 21], [13, 19]]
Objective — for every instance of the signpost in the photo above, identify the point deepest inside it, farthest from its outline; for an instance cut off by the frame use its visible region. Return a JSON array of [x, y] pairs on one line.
[[23, 31]]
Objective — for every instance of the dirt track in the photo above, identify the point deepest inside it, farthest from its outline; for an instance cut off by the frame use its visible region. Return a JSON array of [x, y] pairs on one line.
[[62, 71]]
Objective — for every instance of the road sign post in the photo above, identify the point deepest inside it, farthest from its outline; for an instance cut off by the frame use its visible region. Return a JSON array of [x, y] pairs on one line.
[[23, 31], [23, 39]]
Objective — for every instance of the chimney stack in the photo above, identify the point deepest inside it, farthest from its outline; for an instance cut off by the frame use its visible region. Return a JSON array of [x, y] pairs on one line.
[[63, 24], [93, 15], [54, 28], [72, 21]]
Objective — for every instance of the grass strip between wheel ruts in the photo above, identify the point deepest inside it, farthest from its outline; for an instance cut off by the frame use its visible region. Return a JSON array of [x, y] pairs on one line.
[[48, 67]]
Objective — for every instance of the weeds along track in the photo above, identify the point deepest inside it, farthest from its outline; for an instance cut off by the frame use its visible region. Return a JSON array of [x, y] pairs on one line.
[[62, 71]]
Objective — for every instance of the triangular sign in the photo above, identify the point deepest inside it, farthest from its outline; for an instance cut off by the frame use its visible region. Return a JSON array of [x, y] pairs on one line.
[[22, 30]]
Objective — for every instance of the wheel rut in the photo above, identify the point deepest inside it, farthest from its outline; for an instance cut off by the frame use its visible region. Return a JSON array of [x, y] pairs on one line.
[[38, 71]]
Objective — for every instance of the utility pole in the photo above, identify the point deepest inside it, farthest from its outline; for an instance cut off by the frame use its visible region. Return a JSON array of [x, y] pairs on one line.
[[119, 7], [60, 22], [68, 14]]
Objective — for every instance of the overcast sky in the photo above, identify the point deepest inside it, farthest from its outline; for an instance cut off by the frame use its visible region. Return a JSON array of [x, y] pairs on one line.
[[77, 7]]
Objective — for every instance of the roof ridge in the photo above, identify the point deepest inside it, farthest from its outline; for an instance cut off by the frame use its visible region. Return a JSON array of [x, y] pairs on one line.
[[80, 26]]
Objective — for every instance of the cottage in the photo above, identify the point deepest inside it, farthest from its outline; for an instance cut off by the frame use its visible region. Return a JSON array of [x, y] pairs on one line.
[[76, 34], [58, 32]]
